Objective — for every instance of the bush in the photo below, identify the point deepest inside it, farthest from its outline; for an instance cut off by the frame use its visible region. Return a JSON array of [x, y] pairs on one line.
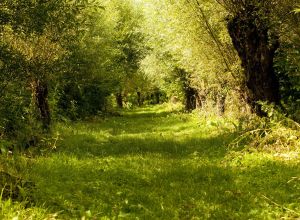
[[77, 102]]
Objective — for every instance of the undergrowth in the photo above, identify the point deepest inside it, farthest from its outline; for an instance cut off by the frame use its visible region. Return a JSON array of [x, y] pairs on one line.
[[275, 133]]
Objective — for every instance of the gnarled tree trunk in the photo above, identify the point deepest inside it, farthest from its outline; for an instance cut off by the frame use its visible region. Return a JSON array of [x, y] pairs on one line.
[[250, 33]]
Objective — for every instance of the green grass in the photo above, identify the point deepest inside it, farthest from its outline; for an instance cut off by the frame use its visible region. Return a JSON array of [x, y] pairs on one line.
[[154, 164]]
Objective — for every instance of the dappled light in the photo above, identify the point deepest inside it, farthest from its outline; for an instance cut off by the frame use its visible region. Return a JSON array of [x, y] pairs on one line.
[[140, 172], [149, 109]]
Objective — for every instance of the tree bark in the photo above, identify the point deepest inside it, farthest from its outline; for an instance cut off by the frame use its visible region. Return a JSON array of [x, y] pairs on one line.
[[40, 90], [119, 100], [190, 99], [157, 97], [190, 94], [139, 98], [256, 48]]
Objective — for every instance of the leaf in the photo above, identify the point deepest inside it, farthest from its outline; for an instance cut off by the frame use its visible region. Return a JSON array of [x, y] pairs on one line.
[[88, 213], [297, 10]]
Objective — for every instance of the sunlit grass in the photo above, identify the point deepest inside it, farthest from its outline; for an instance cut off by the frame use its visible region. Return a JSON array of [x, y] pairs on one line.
[[10, 210], [154, 164]]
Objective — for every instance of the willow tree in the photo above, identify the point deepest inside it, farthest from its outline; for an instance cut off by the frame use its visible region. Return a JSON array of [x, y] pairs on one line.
[[191, 36], [219, 61], [38, 33], [128, 42], [254, 38]]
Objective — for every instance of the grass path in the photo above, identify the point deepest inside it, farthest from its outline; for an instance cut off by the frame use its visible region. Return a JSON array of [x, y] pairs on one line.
[[151, 164]]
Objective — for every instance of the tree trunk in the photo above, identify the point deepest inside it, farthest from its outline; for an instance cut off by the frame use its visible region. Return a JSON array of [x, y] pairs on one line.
[[119, 100], [157, 97], [190, 99], [200, 99], [40, 90], [256, 47], [221, 104], [139, 98], [190, 94]]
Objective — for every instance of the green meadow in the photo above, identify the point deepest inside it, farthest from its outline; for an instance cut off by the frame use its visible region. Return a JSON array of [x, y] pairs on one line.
[[154, 163]]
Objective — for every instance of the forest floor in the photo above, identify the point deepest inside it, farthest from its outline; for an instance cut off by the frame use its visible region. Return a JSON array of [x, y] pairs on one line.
[[152, 163]]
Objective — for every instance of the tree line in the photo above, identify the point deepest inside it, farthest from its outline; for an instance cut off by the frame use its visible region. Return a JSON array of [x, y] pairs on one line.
[[68, 60]]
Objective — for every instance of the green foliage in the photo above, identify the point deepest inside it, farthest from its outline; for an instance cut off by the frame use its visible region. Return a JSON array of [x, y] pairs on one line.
[[80, 101], [194, 38], [288, 69], [275, 133], [30, 50], [93, 74]]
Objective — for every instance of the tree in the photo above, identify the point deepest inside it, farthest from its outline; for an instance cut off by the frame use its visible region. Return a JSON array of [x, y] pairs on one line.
[[256, 44], [36, 30], [129, 42], [88, 76], [37, 35], [192, 36]]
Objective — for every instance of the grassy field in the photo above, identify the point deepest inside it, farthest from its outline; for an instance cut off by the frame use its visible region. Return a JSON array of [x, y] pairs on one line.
[[151, 163]]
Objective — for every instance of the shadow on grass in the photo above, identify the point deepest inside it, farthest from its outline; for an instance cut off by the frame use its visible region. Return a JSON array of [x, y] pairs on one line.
[[168, 189], [135, 122], [151, 166], [148, 114], [170, 146]]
